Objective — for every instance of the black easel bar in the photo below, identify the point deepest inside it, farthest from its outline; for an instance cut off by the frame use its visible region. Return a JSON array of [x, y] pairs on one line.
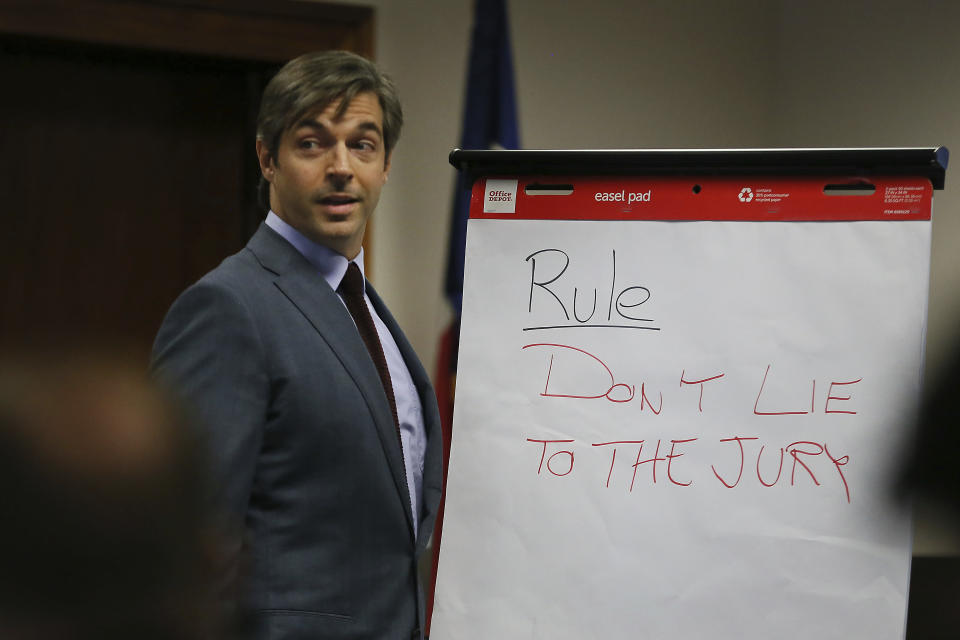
[[930, 162]]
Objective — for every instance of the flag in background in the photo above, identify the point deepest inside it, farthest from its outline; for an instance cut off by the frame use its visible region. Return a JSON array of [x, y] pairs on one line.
[[489, 121]]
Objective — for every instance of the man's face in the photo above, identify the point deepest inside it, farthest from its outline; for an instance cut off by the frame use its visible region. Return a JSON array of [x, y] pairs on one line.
[[325, 177]]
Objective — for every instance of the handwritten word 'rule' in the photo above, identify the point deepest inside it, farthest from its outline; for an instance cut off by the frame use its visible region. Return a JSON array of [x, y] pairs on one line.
[[554, 296]]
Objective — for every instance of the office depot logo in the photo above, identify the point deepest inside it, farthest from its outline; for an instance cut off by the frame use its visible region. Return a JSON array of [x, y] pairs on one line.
[[500, 196]]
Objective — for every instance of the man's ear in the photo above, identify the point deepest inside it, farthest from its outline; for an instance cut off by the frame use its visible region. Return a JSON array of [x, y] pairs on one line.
[[266, 160]]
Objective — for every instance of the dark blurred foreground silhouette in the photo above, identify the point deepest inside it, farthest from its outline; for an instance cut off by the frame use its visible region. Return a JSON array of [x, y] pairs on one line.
[[931, 480], [103, 524], [932, 472]]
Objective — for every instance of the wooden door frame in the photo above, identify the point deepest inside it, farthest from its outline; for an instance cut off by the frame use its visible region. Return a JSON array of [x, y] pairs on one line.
[[253, 31], [273, 31]]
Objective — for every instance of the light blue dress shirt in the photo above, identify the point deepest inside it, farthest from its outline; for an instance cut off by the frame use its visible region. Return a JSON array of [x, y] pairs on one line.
[[413, 436]]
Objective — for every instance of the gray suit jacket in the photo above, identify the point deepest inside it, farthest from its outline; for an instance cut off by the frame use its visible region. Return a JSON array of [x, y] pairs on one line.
[[306, 461]]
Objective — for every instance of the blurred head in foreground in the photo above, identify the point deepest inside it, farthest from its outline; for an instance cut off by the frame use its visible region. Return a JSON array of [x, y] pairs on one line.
[[102, 531], [930, 474], [930, 483]]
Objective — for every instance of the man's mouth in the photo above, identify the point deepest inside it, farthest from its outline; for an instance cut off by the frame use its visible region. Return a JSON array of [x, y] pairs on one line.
[[338, 198], [339, 202]]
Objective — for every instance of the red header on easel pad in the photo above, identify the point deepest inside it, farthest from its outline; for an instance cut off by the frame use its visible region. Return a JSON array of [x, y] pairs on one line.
[[762, 198]]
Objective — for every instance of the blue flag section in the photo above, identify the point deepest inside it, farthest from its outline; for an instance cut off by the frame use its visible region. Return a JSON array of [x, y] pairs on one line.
[[489, 121]]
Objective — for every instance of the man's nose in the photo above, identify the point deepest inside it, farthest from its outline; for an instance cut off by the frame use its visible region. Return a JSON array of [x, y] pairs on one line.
[[339, 166]]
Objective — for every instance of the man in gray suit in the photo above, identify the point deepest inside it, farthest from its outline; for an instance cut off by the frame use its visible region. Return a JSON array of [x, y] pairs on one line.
[[326, 464]]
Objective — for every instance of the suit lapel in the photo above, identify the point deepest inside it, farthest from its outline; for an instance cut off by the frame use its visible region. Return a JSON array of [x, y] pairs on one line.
[[433, 462], [299, 281]]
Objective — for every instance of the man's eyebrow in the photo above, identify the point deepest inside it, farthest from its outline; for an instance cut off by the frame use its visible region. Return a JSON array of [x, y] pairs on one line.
[[308, 123], [370, 125], [367, 125]]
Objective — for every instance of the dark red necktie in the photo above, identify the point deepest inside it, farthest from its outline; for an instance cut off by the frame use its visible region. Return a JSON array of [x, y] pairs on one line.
[[351, 289]]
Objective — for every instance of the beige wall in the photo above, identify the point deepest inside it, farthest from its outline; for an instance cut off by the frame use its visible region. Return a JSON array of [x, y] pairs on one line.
[[885, 73], [633, 74]]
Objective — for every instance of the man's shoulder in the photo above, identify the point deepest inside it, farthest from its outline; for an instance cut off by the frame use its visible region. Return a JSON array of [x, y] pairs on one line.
[[225, 301], [244, 272], [239, 282], [235, 271], [236, 277]]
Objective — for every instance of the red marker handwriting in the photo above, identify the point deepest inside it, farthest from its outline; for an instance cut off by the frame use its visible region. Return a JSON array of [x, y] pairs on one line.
[[699, 382], [807, 462], [550, 459], [795, 410], [739, 442], [611, 389], [613, 457]]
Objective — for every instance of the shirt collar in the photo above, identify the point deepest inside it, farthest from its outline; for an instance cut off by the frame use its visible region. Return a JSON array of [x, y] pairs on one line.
[[331, 265]]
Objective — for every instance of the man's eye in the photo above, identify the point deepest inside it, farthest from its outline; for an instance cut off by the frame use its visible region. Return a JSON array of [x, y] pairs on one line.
[[309, 144], [365, 145]]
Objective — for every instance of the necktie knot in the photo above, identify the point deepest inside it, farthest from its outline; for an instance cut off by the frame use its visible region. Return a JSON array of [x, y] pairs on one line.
[[352, 283]]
